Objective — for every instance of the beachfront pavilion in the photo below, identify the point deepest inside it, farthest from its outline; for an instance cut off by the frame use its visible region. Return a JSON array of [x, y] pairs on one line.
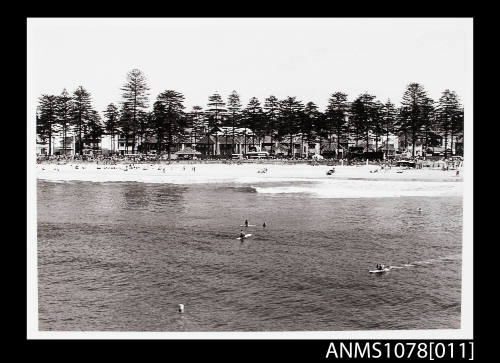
[[220, 141], [329, 150], [269, 145], [223, 145], [303, 146], [149, 144]]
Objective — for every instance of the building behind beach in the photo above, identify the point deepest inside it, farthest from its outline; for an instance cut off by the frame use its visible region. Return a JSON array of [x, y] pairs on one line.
[[225, 142]]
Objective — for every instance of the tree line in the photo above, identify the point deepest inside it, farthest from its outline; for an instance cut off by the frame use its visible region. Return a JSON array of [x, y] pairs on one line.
[[417, 119]]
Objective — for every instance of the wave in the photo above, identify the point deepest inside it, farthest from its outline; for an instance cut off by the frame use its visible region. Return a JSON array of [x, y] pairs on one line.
[[368, 189], [304, 187], [165, 179], [238, 189], [442, 259]]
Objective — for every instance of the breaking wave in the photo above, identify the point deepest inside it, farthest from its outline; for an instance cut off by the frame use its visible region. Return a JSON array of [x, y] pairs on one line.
[[368, 189]]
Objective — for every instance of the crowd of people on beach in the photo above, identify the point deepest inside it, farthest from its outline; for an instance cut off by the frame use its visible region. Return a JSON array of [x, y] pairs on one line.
[[383, 165]]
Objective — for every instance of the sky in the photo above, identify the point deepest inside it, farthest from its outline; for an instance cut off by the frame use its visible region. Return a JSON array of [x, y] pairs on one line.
[[309, 58]]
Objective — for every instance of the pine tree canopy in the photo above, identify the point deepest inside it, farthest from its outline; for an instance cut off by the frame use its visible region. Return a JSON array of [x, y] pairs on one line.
[[418, 120]]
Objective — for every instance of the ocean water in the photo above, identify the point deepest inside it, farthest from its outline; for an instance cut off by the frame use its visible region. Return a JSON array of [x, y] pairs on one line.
[[121, 256]]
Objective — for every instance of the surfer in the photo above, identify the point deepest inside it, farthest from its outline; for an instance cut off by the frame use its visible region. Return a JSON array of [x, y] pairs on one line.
[[264, 225], [242, 235], [246, 222]]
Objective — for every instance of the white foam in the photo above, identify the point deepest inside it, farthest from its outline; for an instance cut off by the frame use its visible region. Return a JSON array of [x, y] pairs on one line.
[[369, 189], [321, 185]]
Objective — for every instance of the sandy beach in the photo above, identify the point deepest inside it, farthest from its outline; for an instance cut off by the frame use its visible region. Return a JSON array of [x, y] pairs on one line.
[[217, 173]]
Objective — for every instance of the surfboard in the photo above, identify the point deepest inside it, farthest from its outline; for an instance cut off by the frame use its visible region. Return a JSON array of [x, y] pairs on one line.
[[246, 236], [250, 225], [379, 271]]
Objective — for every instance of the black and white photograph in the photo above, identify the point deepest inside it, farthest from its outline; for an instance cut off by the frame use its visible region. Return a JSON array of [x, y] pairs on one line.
[[249, 178]]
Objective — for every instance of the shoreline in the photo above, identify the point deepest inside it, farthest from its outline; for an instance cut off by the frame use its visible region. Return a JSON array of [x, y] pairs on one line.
[[190, 173]]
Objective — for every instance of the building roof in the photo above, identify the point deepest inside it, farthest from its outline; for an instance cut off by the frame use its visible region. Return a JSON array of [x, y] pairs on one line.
[[206, 140], [228, 140]]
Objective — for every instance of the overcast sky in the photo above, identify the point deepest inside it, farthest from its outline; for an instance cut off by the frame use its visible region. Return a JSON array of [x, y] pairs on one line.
[[306, 58]]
